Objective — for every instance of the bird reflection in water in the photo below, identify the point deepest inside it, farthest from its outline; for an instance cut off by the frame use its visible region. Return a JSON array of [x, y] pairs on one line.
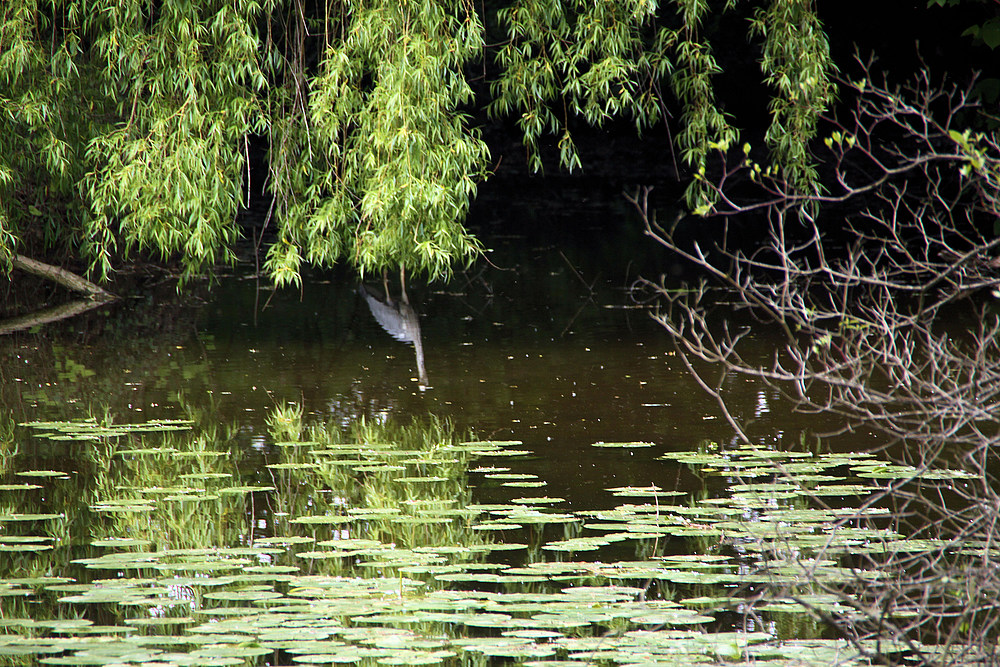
[[398, 319]]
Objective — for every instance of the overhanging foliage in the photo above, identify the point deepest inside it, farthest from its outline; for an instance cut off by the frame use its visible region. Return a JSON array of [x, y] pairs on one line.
[[126, 123]]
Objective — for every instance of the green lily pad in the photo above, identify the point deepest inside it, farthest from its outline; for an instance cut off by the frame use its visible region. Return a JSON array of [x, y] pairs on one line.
[[15, 517]]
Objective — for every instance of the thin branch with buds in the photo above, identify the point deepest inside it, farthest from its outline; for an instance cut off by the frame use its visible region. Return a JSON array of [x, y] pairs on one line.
[[884, 324]]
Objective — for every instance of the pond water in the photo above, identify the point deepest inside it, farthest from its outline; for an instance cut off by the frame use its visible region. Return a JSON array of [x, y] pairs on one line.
[[293, 473], [544, 342]]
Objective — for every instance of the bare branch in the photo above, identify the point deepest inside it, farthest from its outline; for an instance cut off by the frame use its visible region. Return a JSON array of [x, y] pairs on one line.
[[886, 323]]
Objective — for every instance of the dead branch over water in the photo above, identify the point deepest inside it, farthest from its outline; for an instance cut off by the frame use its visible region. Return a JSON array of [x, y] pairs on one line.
[[886, 321]]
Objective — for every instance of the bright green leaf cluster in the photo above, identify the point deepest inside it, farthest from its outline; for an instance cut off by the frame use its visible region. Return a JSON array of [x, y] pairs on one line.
[[973, 149], [591, 60], [380, 166], [796, 62]]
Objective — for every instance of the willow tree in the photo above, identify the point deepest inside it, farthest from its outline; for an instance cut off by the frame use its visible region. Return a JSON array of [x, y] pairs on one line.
[[371, 158], [123, 125], [126, 123]]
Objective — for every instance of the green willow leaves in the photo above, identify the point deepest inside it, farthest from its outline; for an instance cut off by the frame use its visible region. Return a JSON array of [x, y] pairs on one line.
[[598, 61], [381, 165], [585, 58], [796, 61], [128, 125], [169, 176], [123, 130]]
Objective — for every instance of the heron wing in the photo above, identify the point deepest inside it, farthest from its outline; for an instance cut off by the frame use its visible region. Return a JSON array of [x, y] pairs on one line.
[[389, 316]]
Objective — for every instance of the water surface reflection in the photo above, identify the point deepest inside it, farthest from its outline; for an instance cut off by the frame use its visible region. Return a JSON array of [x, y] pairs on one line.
[[542, 343]]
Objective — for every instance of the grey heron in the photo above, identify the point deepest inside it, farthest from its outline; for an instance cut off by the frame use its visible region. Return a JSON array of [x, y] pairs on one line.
[[398, 319]]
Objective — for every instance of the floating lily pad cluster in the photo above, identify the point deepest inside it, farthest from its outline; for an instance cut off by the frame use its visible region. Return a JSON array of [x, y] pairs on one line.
[[94, 431], [375, 552]]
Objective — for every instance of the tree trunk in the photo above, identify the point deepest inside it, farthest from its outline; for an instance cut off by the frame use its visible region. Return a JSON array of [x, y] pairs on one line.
[[65, 278]]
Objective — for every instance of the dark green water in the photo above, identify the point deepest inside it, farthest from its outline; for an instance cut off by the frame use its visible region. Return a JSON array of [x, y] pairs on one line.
[[546, 342], [543, 342]]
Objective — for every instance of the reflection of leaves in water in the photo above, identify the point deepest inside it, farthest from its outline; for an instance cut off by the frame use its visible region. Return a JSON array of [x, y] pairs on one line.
[[333, 551], [118, 352], [8, 445]]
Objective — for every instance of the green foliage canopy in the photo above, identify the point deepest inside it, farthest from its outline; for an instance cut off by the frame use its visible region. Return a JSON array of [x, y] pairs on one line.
[[122, 130], [379, 165], [125, 124]]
